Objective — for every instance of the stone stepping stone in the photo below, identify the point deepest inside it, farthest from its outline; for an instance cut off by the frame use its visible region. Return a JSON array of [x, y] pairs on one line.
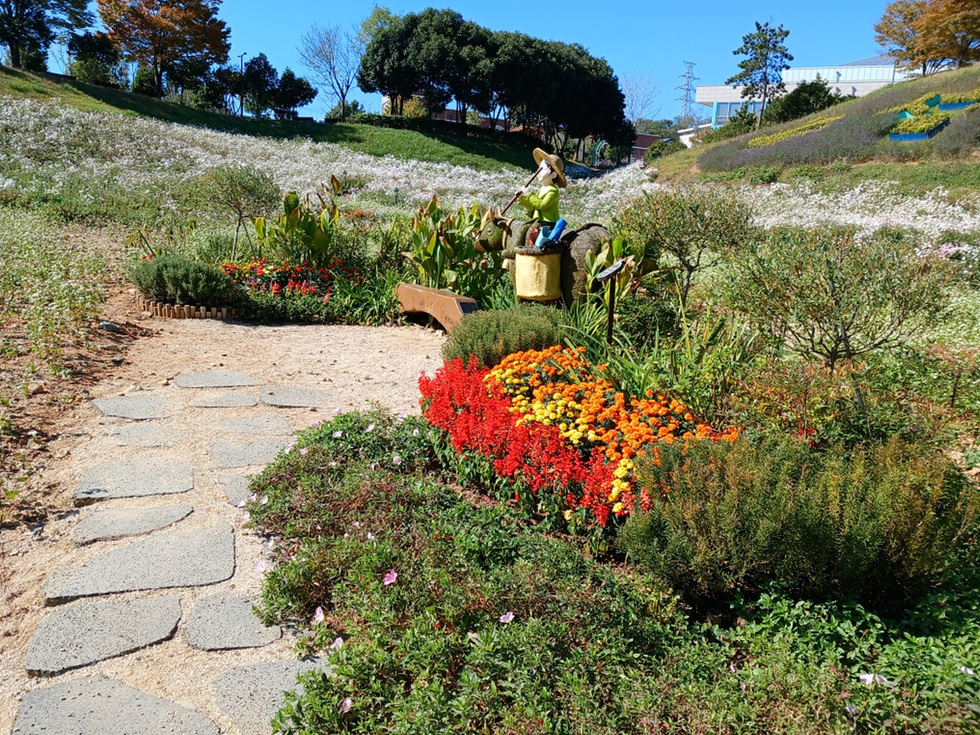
[[293, 397], [137, 406], [227, 621], [98, 705], [183, 558], [227, 453], [82, 634], [236, 488], [215, 379], [121, 522], [226, 399], [145, 434], [134, 479], [251, 695], [269, 425]]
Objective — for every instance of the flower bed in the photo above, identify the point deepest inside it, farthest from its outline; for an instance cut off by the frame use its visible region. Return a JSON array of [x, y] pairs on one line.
[[574, 434], [921, 135], [260, 276]]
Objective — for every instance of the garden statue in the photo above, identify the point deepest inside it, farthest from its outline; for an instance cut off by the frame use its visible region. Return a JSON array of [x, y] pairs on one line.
[[508, 235], [543, 205]]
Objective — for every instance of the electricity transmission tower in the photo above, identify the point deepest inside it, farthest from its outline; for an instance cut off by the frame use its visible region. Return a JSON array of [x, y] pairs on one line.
[[688, 110]]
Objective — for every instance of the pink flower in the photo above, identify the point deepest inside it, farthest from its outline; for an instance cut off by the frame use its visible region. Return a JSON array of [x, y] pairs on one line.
[[390, 577], [337, 643], [304, 450], [506, 617], [318, 615], [346, 705], [396, 460]]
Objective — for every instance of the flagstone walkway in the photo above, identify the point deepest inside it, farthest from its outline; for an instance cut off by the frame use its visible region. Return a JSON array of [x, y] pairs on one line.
[[160, 585]]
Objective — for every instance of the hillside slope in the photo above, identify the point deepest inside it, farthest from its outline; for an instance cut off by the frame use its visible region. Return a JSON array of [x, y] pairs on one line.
[[482, 155], [849, 143]]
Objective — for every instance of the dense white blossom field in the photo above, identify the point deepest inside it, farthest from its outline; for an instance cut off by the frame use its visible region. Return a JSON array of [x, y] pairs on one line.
[[45, 147]]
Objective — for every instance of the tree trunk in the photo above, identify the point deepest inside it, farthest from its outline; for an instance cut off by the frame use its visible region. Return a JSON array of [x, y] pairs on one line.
[[15, 55]]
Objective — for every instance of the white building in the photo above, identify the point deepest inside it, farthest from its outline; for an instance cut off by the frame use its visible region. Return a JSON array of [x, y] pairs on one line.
[[857, 78]]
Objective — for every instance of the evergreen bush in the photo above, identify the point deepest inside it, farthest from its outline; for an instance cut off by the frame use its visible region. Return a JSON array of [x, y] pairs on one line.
[[172, 279], [492, 335], [879, 522]]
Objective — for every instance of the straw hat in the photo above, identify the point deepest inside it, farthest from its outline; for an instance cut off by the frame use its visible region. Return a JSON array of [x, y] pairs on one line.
[[556, 164]]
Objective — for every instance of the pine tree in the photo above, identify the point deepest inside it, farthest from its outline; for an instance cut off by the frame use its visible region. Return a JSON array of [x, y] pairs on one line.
[[762, 71]]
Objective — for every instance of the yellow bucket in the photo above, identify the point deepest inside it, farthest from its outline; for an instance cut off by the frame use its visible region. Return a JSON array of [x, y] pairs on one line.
[[538, 277]]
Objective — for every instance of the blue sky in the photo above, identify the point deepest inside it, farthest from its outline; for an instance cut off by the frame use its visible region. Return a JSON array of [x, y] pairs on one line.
[[651, 39]]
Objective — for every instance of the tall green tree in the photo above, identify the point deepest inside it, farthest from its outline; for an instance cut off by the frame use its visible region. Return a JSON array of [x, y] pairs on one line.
[[762, 69], [260, 81], [291, 92], [28, 27]]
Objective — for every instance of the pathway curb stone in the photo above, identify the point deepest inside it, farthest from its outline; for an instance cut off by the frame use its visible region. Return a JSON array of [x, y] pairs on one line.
[[97, 705], [133, 479], [251, 695], [171, 559], [137, 407], [228, 453], [225, 621], [78, 635], [286, 396], [113, 523]]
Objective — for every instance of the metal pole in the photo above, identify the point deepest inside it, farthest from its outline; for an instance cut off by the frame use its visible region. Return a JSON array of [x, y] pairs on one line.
[[241, 84], [611, 311]]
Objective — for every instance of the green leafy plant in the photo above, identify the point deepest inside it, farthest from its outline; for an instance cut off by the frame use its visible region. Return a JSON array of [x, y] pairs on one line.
[[881, 522], [833, 294], [300, 234], [443, 250], [244, 191], [693, 227], [173, 279], [491, 335]]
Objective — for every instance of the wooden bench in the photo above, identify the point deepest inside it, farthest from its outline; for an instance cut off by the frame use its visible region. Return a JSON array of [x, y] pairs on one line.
[[445, 307]]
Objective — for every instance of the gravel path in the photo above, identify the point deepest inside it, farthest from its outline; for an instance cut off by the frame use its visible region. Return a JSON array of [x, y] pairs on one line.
[[131, 611]]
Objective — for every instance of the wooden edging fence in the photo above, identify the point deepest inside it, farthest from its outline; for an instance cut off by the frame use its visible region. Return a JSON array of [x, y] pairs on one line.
[[177, 311]]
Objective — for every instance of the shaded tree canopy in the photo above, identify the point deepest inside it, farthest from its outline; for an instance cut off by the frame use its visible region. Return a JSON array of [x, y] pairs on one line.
[[762, 69], [556, 86], [291, 92], [28, 27], [807, 98], [161, 33]]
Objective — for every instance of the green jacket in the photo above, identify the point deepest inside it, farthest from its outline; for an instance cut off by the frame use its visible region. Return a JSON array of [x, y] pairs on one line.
[[542, 206]]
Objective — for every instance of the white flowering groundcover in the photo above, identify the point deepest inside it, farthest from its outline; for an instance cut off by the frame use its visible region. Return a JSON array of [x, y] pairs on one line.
[[44, 145]]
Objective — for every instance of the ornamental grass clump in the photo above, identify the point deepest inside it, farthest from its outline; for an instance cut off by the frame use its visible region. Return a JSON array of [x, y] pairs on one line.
[[879, 522]]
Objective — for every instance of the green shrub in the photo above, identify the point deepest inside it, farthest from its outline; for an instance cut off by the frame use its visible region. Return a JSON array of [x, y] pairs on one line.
[[144, 82], [880, 522], [492, 335], [173, 279], [808, 173], [662, 148], [764, 175], [692, 226]]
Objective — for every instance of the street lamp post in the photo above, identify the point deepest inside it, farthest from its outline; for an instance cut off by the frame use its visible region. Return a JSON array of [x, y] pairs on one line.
[[241, 84]]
